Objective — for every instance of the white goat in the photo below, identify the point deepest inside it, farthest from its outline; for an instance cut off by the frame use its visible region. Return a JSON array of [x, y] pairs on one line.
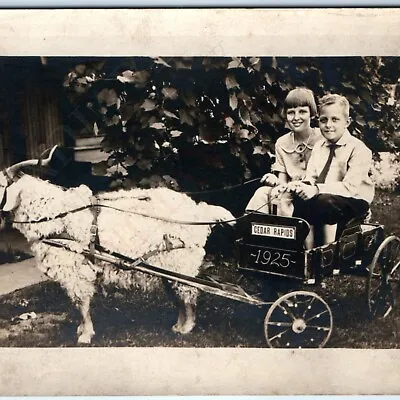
[[176, 247]]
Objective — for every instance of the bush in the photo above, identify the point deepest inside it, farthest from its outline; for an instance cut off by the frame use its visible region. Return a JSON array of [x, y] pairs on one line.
[[211, 122], [386, 171]]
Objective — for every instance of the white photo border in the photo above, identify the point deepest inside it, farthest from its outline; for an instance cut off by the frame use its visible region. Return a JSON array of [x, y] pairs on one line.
[[214, 32]]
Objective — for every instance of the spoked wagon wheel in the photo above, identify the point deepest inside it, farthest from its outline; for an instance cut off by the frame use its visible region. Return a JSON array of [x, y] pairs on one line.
[[298, 320], [384, 278]]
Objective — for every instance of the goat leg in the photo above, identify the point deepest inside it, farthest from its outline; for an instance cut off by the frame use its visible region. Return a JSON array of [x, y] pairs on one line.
[[85, 330], [186, 318], [177, 328], [190, 320]]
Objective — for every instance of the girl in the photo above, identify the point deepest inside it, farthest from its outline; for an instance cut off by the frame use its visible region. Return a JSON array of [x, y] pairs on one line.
[[292, 152]]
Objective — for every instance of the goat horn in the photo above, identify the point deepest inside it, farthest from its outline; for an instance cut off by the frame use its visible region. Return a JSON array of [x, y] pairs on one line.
[[13, 169], [47, 160]]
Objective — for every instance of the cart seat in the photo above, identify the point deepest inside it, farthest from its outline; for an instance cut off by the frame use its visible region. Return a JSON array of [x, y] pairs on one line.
[[353, 225]]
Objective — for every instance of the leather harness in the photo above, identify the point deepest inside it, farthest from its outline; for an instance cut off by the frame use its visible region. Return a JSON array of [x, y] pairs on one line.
[[94, 229]]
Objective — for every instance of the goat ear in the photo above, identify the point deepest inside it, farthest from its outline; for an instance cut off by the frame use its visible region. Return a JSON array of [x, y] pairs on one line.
[[12, 200]]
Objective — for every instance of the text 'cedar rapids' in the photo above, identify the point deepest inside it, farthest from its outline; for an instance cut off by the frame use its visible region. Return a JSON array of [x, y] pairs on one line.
[[274, 231]]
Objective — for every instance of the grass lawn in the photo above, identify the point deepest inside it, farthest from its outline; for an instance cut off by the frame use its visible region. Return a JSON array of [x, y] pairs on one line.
[[134, 319]]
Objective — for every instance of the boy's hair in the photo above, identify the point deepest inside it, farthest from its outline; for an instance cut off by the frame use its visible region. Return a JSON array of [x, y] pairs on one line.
[[329, 99], [301, 97]]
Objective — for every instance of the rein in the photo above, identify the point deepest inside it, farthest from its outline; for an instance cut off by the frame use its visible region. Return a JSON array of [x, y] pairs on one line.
[[224, 188], [89, 206], [47, 219], [170, 220]]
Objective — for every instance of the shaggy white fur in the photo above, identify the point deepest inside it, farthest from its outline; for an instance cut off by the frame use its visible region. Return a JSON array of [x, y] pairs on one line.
[[178, 247]]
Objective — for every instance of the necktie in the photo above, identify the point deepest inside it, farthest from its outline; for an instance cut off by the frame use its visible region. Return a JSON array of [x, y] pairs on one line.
[[322, 176]]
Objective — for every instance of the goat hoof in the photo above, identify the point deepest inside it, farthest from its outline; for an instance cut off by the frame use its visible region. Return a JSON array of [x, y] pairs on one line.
[[183, 329], [187, 328], [85, 339], [79, 330], [177, 328]]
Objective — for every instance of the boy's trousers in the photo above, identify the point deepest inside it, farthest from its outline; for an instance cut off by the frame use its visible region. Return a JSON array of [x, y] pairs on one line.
[[329, 209]]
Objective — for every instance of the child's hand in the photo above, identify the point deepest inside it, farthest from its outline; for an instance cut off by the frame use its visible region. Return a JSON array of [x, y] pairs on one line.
[[278, 190], [305, 192], [269, 180], [292, 186]]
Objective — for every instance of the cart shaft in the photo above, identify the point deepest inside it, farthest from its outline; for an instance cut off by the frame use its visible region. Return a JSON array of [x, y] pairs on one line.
[[227, 290]]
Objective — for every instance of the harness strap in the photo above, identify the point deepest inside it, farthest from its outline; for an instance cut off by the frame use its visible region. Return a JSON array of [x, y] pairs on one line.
[[94, 229], [269, 199]]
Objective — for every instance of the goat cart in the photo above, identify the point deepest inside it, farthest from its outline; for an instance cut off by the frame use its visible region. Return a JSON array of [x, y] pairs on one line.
[[272, 248]]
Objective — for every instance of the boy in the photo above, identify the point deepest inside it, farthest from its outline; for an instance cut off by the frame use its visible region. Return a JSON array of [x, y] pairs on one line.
[[337, 186]]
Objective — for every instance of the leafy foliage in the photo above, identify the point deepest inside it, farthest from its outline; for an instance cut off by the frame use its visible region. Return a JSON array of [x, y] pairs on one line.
[[213, 121]]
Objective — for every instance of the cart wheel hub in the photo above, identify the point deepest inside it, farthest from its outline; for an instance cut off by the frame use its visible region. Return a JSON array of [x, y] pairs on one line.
[[299, 325]]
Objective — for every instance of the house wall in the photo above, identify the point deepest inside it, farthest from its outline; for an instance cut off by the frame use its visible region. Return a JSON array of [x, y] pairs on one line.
[[5, 142], [30, 108], [41, 121]]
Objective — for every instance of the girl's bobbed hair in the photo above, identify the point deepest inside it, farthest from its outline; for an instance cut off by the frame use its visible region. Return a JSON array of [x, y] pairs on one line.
[[301, 97]]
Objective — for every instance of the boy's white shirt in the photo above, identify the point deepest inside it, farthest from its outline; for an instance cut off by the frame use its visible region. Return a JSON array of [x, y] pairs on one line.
[[348, 174]]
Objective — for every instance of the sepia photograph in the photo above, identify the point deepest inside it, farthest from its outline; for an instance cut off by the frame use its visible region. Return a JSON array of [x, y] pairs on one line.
[[215, 200], [161, 201]]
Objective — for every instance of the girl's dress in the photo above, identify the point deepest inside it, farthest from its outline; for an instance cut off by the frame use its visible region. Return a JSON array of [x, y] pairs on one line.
[[292, 159]]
